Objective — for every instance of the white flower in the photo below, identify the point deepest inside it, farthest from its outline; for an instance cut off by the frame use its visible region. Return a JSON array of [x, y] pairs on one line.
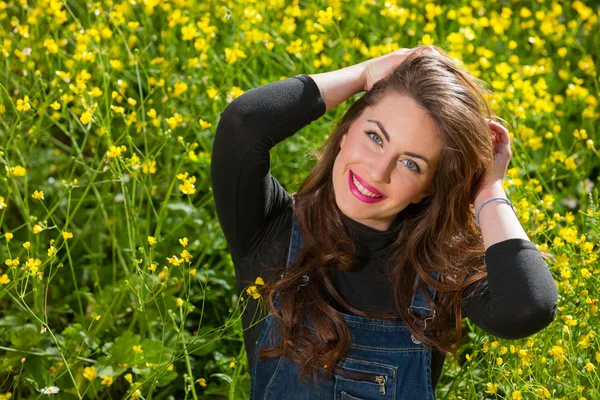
[[50, 390]]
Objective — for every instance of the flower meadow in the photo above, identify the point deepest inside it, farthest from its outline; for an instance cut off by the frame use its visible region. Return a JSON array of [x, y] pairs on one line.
[[115, 278]]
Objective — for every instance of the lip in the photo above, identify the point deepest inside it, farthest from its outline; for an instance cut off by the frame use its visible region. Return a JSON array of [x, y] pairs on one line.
[[358, 194]]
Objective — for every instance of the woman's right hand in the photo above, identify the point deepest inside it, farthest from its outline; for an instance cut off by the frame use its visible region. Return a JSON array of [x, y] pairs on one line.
[[378, 68]]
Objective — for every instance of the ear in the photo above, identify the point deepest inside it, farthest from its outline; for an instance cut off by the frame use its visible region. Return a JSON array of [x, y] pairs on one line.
[[343, 140]]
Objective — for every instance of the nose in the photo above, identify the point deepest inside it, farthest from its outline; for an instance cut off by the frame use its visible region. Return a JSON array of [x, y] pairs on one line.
[[381, 169]]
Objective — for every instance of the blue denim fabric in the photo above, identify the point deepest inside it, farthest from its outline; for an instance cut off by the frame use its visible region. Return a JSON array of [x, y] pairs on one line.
[[391, 362]]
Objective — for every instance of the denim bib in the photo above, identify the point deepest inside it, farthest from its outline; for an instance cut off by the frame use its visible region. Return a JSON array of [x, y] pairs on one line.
[[385, 360]]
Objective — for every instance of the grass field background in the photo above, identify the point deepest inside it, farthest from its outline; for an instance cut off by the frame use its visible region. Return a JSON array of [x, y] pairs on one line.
[[115, 280]]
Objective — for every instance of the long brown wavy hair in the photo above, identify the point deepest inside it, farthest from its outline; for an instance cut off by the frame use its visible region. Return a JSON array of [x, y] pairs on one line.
[[437, 234]]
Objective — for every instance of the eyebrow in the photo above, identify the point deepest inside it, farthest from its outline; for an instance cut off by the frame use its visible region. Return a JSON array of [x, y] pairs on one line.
[[387, 136]]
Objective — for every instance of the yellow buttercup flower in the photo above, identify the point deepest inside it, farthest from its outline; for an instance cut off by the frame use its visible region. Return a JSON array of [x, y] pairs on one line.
[[38, 195], [23, 105], [86, 117], [90, 373]]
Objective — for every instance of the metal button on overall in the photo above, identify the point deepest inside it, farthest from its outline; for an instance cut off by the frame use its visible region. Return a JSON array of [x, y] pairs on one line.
[[385, 361]]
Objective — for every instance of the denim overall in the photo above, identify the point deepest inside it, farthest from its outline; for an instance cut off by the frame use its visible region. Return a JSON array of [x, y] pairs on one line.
[[385, 360]]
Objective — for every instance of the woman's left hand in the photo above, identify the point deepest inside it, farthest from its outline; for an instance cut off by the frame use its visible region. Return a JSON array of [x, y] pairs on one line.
[[502, 155]]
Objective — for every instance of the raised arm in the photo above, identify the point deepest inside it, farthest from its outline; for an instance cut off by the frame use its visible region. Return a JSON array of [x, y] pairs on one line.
[[519, 297], [244, 190]]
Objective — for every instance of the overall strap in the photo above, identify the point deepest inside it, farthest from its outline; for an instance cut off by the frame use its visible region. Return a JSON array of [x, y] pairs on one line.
[[420, 307], [293, 252], [295, 246]]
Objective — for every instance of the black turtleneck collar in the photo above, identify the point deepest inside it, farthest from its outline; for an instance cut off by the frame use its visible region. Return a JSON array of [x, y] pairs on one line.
[[370, 242]]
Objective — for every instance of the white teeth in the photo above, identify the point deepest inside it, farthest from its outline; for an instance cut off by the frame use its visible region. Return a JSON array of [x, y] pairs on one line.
[[362, 189]]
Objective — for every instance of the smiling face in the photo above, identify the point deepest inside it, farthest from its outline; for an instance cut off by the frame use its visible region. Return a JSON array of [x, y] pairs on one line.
[[386, 161]]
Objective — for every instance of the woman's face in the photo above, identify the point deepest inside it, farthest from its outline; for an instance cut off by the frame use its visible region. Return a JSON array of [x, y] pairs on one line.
[[387, 164]]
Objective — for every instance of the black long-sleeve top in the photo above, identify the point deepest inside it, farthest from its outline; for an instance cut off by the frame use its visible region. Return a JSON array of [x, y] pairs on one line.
[[518, 298]]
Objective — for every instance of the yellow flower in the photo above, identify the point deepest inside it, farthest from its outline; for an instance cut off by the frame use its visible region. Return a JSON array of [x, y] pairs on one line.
[[259, 281], [51, 46], [67, 235], [427, 39], [131, 101], [37, 228], [149, 167], [516, 395], [90, 373], [96, 92], [325, 17], [179, 302], [138, 349], [204, 124], [180, 88], [26, 245], [491, 388], [86, 117], [193, 272], [468, 357], [202, 382], [55, 105], [151, 240], [170, 367], [116, 64], [133, 162], [8, 236], [4, 280], [184, 241], [152, 267], [107, 380], [15, 171], [115, 151], [128, 378], [251, 291], [543, 392], [499, 360], [12, 263], [51, 251], [2, 203], [187, 187], [38, 195], [174, 260], [589, 366], [23, 105], [186, 255]]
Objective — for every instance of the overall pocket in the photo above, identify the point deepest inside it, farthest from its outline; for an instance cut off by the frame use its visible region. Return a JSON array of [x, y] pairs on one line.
[[364, 380]]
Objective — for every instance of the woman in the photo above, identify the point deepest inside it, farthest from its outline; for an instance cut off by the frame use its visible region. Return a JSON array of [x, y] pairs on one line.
[[391, 238]]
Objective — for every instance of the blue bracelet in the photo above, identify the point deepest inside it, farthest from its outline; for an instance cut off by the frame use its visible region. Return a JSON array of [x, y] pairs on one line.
[[487, 201]]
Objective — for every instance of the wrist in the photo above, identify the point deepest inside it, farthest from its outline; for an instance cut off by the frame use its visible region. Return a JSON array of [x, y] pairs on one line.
[[339, 85], [489, 192]]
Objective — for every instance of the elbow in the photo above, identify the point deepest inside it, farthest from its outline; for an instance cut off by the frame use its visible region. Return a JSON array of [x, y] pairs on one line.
[[527, 321]]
